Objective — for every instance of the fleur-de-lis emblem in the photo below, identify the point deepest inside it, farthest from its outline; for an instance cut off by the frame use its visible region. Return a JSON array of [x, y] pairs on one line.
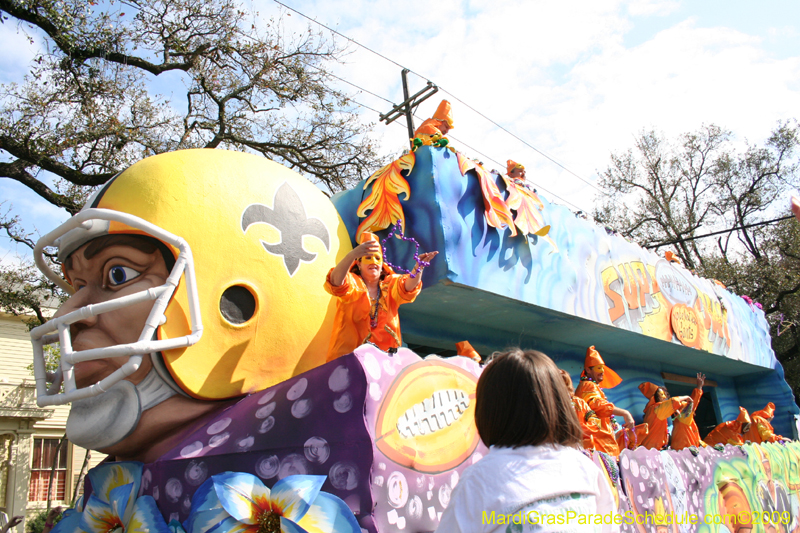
[[288, 216]]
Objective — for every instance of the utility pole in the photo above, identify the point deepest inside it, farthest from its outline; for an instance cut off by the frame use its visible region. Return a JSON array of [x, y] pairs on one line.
[[408, 105]]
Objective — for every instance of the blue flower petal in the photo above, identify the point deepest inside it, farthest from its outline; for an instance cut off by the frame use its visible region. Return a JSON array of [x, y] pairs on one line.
[[205, 521], [146, 518], [329, 513], [244, 496], [293, 494], [229, 525], [69, 523], [205, 498], [287, 526], [107, 476], [119, 498], [79, 504], [98, 517]]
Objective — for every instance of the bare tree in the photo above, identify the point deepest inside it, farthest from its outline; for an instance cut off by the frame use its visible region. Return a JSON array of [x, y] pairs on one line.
[[87, 108], [89, 105], [61, 443], [666, 195]]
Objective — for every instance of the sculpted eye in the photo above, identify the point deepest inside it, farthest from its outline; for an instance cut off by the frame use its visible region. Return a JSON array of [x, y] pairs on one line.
[[120, 274]]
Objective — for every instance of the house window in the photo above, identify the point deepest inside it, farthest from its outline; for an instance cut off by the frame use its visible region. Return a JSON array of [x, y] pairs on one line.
[[45, 451]]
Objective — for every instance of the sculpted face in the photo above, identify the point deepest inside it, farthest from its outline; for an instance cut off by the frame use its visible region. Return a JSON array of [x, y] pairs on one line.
[[110, 273], [106, 269], [517, 173], [444, 127]]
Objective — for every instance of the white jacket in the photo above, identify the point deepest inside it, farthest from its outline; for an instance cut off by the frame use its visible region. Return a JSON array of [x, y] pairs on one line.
[[550, 488]]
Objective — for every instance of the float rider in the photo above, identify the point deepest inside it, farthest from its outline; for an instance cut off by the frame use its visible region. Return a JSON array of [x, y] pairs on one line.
[[660, 406], [433, 131], [731, 432], [684, 427], [588, 419], [595, 377], [368, 294], [761, 430]]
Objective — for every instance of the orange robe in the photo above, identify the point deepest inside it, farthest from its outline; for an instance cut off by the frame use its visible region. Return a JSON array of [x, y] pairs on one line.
[[604, 439], [590, 423], [634, 436], [726, 433], [761, 431], [351, 325], [684, 429], [656, 415]]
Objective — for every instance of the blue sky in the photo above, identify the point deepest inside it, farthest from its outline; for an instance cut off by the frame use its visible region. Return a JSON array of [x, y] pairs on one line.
[[575, 79]]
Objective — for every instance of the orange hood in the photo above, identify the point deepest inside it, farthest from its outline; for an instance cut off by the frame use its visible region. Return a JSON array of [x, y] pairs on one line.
[[610, 379]]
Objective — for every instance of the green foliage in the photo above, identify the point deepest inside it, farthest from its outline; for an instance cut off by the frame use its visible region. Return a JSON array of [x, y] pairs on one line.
[[26, 293], [700, 184], [35, 524], [88, 107]]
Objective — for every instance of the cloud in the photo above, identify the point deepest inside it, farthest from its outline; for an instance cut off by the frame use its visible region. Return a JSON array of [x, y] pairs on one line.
[[24, 45], [558, 75], [561, 77], [653, 7]]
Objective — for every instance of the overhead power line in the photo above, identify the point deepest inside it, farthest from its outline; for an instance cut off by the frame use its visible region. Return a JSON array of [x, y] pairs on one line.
[[549, 158], [729, 230], [489, 158]]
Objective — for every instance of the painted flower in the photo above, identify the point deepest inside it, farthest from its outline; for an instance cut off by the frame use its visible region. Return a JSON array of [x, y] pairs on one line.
[[113, 504], [235, 502]]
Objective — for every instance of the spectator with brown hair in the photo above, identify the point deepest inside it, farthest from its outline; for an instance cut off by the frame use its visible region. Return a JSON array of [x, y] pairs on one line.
[[524, 414]]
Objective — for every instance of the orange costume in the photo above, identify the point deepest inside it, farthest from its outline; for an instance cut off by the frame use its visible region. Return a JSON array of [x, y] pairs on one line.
[[429, 131], [525, 202], [761, 430], [656, 415], [684, 428], [359, 318], [592, 394], [590, 422], [729, 432], [465, 349]]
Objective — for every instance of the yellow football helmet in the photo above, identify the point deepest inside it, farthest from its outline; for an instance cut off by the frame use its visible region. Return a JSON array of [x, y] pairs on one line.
[[243, 307]]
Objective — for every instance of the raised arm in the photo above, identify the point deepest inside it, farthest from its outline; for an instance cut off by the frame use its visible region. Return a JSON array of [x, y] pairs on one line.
[[343, 267], [411, 283], [626, 415]]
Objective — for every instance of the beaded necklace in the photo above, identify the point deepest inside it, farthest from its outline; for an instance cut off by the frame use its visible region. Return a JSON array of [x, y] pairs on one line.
[[611, 467], [397, 231], [373, 314]]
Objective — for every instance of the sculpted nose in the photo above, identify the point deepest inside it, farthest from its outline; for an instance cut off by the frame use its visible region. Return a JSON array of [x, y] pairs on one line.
[[80, 299]]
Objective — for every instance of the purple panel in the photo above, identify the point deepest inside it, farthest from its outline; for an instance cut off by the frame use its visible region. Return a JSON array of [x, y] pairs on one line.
[[411, 498], [310, 424]]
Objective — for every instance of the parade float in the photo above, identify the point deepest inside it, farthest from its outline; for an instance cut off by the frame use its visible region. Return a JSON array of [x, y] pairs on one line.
[[377, 440]]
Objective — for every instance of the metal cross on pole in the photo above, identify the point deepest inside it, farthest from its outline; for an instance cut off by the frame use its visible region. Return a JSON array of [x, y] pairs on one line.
[[408, 105]]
